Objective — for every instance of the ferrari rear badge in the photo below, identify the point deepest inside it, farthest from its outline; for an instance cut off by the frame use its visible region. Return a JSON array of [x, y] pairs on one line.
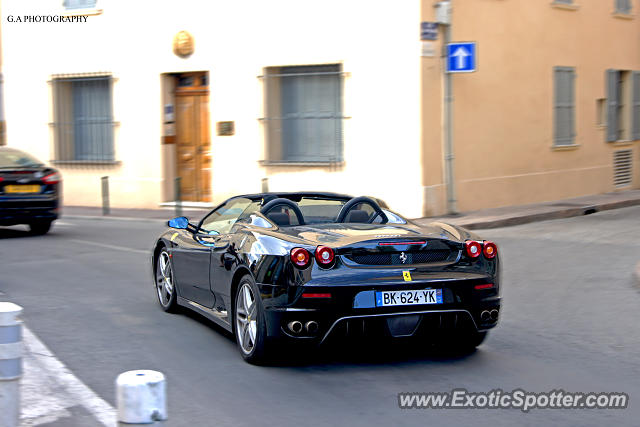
[[403, 257]]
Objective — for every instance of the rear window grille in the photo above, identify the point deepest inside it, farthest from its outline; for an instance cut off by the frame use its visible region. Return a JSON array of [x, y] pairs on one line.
[[622, 173], [394, 258]]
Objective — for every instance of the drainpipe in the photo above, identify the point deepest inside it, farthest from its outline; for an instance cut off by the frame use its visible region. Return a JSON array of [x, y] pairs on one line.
[[443, 17]]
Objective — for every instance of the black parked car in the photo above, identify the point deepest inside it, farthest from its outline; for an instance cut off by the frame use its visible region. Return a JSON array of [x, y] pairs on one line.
[[29, 191], [308, 267]]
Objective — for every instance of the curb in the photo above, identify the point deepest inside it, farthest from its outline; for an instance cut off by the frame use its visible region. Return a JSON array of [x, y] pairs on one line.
[[545, 216], [544, 212]]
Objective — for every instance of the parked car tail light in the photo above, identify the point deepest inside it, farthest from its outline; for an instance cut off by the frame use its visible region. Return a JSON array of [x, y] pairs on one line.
[[52, 178], [489, 249], [483, 286], [473, 248], [1, 179], [325, 256], [300, 257]]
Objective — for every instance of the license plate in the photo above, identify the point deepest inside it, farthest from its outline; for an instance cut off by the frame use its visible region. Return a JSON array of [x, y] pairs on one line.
[[21, 188], [424, 296]]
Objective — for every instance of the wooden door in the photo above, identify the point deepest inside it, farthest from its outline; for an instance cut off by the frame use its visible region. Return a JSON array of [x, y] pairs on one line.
[[192, 137]]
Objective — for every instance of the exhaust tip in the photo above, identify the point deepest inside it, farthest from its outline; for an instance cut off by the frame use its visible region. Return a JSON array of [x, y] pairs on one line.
[[311, 326], [295, 326], [485, 316], [494, 315]]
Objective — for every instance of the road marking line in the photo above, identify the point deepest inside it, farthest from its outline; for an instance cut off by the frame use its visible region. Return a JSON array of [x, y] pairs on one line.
[[117, 248], [84, 396]]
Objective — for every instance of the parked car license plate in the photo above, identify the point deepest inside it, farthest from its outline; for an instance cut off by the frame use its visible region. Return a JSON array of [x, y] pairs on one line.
[[423, 296], [21, 188]]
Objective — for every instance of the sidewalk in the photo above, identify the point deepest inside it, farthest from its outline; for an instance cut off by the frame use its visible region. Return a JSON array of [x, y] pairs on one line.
[[523, 214], [486, 218]]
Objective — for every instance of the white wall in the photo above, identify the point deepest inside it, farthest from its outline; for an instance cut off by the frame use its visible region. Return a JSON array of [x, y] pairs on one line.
[[376, 41]]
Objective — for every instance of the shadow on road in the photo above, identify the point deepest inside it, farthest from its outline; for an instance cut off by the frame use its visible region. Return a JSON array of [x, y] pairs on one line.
[[344, 353], [13, 233], [370, 353]]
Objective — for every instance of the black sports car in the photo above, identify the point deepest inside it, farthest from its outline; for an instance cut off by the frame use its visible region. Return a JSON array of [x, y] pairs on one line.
[[29, 191], [308, 267]]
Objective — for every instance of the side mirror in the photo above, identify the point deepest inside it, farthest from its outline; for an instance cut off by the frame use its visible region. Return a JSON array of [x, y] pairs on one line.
[[180, 222]]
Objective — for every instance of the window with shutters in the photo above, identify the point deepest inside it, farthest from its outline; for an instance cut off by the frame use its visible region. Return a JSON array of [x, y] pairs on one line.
[[623, 105], [83, 120], [564, 106], [623, 6], [303, 122]]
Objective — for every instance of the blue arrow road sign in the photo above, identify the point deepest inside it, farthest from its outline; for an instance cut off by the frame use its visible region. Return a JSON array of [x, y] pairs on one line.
[[461, 57]]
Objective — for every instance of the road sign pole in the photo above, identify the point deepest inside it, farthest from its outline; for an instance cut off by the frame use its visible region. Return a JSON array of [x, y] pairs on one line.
[[449, 157]]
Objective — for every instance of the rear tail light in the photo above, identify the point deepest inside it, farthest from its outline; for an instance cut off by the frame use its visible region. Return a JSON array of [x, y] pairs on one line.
[[325, 256], [483, 286], [1, 179], [52, 178], [300, 257], [473, 248], [489, 249]]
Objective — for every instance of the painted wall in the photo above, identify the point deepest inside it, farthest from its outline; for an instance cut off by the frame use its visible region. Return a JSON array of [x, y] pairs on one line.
[[376, 43], [503, 113]]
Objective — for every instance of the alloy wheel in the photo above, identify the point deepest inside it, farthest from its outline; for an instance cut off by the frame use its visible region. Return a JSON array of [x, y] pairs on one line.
[[246, 318], [164, 282]]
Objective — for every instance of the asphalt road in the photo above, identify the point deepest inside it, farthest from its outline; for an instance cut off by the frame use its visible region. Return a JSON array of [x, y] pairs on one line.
[[570, 321]]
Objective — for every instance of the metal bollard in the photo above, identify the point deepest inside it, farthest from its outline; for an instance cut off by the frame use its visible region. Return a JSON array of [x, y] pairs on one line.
[[105, 196], [177, 191], [10, 363], [141, 397]]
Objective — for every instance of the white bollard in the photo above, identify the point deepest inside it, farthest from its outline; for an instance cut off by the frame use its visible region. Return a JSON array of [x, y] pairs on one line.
[[10, 363], [141, 397]]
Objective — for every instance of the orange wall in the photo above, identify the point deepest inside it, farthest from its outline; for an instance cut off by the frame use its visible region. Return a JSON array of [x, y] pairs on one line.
[[503, 113]]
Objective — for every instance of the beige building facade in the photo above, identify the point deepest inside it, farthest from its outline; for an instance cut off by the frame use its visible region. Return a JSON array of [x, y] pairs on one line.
[[239, 97], [506, 147]]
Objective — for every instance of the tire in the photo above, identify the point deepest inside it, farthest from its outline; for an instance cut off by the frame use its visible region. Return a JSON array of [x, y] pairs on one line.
[[466, 342], [164, 284], [39, 228], [461, 342], [249, 324]]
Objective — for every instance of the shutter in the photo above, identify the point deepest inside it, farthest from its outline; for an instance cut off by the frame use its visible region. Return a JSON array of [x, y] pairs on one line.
[[612, 105], [310, 97], [571, 105], [623, 6], [635, 106], [564, 108]]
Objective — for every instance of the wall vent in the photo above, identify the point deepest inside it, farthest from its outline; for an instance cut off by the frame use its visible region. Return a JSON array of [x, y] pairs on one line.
[[622, 174]]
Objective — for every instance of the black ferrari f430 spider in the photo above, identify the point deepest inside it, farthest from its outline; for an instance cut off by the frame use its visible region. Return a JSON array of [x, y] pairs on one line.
[[308, 267]]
